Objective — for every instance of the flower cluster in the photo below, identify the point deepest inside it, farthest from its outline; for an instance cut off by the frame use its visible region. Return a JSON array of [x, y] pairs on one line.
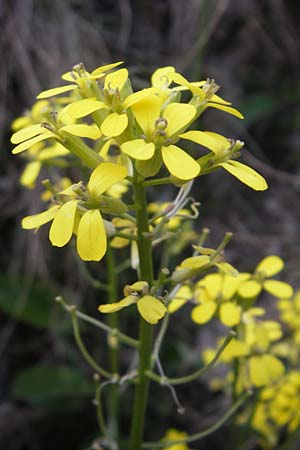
[[98, 118]]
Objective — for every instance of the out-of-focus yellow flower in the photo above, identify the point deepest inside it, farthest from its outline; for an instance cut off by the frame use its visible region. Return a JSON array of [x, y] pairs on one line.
[[81, 218], [215, 294], [269, 266], [289, 310], [181, 297], [149, 307], [159, 209], [278, 407], [175, 435], [41, 153], [253, 348]]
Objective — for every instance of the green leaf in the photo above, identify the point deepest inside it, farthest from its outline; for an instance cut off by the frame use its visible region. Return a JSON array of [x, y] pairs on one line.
[[26, 301], [47, 384]]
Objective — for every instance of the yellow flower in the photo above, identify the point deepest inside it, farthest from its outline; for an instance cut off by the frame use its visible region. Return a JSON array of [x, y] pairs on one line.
[[175, 435], [182, 296], [269, 266], [224, 152], [82, 218], [195, 265], [78, 77], [160, 131], [149, 307], [215, 294], [289, 310], [277, 407]]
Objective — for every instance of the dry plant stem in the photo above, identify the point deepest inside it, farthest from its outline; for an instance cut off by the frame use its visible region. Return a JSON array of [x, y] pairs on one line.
[[204, 433], [114, 407], [146, 330]]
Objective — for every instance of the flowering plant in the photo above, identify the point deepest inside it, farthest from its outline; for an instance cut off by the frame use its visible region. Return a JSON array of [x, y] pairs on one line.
[[124, 143]]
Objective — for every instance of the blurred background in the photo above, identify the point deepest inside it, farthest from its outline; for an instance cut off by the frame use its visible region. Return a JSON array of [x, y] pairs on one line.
[[251, 49]]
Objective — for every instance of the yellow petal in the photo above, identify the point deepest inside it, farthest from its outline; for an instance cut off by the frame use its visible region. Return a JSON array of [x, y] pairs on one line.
[[63, 223], [20, 122], [116, 80], [210, 287], [227, 269], [274, 366], [105, 68], [37, 220], [146, 112], [195, 262], [30, 174], [104, 176], [230, 314], [27, 133], [235, 349], [57, 91], [114, 307], [53, 151], [231, 284], [227, 109], [185, 84], [137, 97], [138, 149], [179, 163], [250, 289], [278, 288], [30, 142], [91, 236], [82, 130], [114, 124], [118, 242], [160, 77], [269, 266], [178, 116], [213, 141], [181, 297], [82, 108], [203, 313], [258, 371], [246, 175], [151, 309], [216, 99]]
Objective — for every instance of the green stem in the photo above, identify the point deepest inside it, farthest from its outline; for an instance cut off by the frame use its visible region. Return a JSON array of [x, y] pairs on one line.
[[76, 146], [89, 359], [193, 376], [98, 401], [158, 181], [204, 433], [112, 331], [114, 407], [146, 330]]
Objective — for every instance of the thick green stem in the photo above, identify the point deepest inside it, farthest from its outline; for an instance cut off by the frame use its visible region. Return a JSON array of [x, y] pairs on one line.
[[114, 407], [146, 330]]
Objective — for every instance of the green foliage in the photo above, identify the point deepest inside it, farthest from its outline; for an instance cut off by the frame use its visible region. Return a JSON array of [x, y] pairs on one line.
[[49, 384], [27, 302]]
